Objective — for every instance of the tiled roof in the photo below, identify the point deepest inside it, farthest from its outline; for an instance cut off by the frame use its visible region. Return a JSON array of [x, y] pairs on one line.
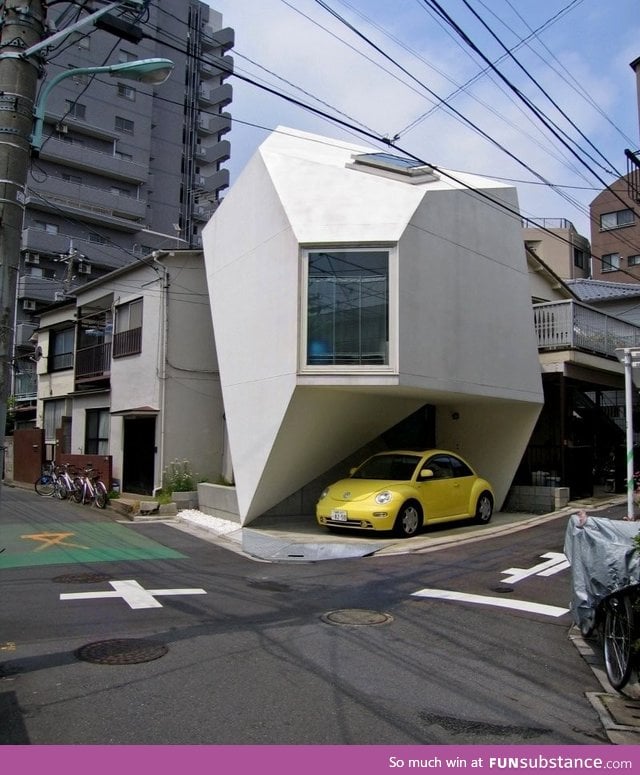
[[600, 290]]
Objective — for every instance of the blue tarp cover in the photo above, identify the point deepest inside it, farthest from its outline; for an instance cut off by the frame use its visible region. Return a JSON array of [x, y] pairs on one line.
[[603, 560]]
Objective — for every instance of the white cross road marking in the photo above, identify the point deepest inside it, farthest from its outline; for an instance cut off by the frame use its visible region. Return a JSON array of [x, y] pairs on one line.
[[556, 561], [134, 594], [499, 602]]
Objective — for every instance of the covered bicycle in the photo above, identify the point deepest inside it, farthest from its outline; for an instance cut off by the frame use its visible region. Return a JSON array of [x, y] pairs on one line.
[[605, 596]]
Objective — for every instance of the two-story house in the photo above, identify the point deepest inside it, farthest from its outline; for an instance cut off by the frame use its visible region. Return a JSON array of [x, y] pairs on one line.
[[127, 369]]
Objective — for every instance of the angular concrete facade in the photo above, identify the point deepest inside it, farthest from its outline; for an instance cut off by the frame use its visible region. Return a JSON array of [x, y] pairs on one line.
[[459, 325]]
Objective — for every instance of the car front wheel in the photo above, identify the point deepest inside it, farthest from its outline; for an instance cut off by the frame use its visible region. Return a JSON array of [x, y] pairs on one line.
[[408, 521], [484, 508]]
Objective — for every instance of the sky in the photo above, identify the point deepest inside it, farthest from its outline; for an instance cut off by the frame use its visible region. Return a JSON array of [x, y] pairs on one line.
[[538, 93]]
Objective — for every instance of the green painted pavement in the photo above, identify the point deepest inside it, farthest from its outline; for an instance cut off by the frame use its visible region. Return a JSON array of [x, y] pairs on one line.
[[75, 542]]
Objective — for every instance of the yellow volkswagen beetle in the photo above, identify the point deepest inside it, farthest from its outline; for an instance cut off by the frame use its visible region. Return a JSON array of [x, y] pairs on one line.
[[402, 491]]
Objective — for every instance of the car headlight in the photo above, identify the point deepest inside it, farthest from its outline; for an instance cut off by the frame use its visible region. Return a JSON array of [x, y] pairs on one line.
[[384, 497], [324, 493]]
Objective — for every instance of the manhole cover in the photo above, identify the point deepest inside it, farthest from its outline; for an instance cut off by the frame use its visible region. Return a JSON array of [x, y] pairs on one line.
[[122, 651], [502, 589], [358, 616], [82, 578]]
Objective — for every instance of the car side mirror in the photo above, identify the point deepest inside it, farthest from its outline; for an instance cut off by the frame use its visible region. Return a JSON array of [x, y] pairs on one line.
[[426, 473]]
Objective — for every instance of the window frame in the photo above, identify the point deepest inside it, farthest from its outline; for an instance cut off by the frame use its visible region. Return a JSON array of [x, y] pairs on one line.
[[390, 367], [618, 224], [608, 266]]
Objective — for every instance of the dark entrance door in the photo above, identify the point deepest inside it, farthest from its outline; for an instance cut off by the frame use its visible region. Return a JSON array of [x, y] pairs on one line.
[[138, 455]]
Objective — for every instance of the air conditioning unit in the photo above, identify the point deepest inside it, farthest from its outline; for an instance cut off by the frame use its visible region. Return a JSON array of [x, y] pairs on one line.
[[32, 258], [59, 296], [63, 129], [29, 305], [84, 268]]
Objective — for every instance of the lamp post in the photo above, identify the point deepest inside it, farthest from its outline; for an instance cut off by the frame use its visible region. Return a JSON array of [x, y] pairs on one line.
[[630, 357], [153, 71]]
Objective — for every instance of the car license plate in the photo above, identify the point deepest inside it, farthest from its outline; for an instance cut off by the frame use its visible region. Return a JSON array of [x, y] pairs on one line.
[[339, 516]]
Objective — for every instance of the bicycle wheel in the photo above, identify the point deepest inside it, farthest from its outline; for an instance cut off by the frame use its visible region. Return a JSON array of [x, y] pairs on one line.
[[45, 485], [78, 490], [100, 495], [617, 640], [60, 489]]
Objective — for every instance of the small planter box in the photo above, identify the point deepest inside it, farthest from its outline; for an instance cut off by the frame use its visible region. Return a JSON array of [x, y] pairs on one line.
[[185, 500]]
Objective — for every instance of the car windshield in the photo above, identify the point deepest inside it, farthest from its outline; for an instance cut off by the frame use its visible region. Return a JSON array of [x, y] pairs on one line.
[[395, 467]]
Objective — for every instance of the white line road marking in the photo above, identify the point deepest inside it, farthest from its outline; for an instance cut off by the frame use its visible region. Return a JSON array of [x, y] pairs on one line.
[[499, 602], [556, 561], [134, 594]]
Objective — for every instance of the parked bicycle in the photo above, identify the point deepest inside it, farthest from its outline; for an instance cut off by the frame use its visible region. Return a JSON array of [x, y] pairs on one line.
[[55, 480], [89, 487]]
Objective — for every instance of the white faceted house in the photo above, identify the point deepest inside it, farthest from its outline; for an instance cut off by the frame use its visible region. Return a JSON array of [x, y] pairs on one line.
[[350, 288]]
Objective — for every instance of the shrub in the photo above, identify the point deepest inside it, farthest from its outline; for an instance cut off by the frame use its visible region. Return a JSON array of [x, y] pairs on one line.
[[178, 477]]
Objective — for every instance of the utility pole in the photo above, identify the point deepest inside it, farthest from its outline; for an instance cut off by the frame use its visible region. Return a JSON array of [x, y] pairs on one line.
[[22, 25]]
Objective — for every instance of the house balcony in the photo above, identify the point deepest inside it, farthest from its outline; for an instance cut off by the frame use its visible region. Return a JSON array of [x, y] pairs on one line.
[[93, 365], [570, 325]]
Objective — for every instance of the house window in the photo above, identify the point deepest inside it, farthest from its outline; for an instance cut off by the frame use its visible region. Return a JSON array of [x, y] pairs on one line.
[[53, 413], [75, 109], [127, 339], [579, 258], [124, 125], [50, 228], [96, 432], [610, 262], [61, 345], [616, 220], [347, 311], [633, 260]]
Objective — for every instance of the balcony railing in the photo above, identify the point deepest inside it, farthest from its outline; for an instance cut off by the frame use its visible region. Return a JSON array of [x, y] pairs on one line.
[[94, 361], [570, 325]]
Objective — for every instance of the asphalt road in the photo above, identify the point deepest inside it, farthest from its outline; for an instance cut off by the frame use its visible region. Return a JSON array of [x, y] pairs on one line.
[[239, 652]]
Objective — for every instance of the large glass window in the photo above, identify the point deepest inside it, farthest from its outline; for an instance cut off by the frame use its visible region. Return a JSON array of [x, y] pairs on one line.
[[97, 432], [348, 308]]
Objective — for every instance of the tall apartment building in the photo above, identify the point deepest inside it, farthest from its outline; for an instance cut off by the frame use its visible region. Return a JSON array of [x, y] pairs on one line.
[[125, 168]]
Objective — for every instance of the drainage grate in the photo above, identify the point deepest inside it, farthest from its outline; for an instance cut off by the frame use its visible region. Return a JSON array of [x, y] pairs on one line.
[[623, 710], [357, 616], [121, 651], [82, 578]]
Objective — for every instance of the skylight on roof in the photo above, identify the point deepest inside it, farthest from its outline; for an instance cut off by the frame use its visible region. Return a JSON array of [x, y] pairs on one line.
[[397, 166]]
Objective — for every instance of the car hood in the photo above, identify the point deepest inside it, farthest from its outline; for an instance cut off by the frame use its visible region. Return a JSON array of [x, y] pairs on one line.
[[358, 489]]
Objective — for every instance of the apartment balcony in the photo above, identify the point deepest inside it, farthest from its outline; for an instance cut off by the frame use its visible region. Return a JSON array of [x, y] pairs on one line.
[[98, 253], [570, 325], [212, 40], [86, 159], [88, 204], [25, 384], [214, 123], [214, 153], [214, 182], [218, 67], [37, 288]]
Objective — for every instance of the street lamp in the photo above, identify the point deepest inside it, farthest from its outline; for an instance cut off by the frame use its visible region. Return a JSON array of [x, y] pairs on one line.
[[630, 357], [153, 71]]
